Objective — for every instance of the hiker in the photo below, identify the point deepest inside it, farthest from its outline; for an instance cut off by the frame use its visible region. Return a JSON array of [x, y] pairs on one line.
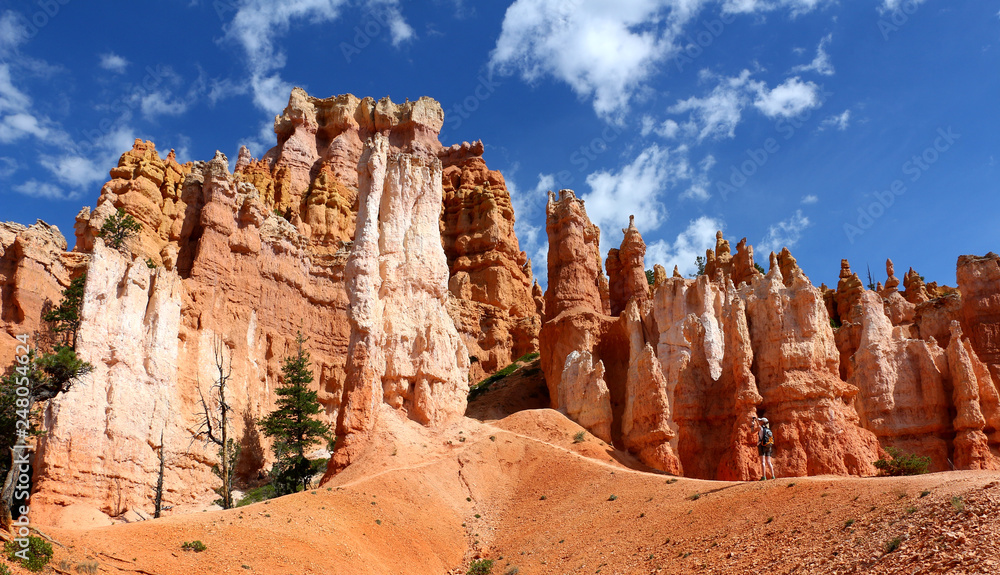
[[765, 446]]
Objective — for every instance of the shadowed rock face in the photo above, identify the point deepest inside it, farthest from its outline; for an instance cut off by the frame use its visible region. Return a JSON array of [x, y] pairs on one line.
[[251, 257]]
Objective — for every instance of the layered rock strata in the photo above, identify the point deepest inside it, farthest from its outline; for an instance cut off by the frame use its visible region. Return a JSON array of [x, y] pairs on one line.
[[404, 348], [259, 253]]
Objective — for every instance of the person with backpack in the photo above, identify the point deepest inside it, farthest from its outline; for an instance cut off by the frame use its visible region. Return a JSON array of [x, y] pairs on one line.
[[765, 446]]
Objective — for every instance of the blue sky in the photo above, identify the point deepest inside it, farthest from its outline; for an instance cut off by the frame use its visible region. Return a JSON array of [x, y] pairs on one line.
[[863, 129]]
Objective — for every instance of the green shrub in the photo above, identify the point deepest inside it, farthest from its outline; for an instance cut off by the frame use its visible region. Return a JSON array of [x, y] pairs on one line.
[[196, 546], [531, 356], [580, 437], [958, 504], [893, 544], [118, 229], [848, 523], [256, 495], [924, 493], [612, 498], [902, 463], [4, 570], [34, 557], [480, 567]]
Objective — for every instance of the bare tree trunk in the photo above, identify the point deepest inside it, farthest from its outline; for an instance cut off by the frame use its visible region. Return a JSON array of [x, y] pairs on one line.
[[7, 495]]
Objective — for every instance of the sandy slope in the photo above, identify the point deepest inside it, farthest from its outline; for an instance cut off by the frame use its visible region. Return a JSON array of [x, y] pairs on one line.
[[543, 505]]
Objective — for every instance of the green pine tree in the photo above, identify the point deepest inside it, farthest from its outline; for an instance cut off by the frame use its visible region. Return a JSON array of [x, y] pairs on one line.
[[65, 319], [293, 425], [118, 229]]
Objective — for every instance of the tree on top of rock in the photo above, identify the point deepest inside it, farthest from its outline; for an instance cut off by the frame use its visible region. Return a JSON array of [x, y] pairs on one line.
[[65, 319], [293, 425], [118, 229]]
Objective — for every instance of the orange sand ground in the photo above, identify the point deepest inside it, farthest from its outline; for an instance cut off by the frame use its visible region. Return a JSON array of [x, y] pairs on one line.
[[521, 491]]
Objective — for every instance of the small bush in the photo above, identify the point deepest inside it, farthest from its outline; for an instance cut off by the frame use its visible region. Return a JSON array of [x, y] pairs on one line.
[[902, 463], [34, 557], [911, 510], [924, 493], [848, 523], [893, 544], [4, 570], [480, 567], [769, 519], [613, 497], [580, 437], [958, 504], [150, 263], [512, 570], [695, 497], [90, 567], [196, 546]]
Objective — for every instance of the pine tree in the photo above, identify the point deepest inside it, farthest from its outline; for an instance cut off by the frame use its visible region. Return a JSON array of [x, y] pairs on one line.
[[65, 319], [293, 425], [118, 229]]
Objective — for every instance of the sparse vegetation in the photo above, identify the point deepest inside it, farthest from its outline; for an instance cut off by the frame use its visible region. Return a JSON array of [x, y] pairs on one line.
[[256, 495], [118, 229], [64, 320], [150, 264], [911, 510], [901, 463], [293, 425], [700, 262], [695, 497], [958, 504], [613, 497], [512, 570], [484, 385], [792, 484], [893, 544], [580, 437], [89, 567], [34, 557], [769, 519], [197, 546], [924, 493], [480, 567], [848, 523]]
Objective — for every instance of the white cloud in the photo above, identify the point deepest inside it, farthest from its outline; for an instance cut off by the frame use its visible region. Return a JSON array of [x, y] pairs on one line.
[[75, 171], [7, 167], [668, 129], [700, 182], [797, 7], [682, 252], [634, 190], [601, 49], [783, 234], [12, 32], [114, 63], [893, 5], [11, 99], [810, 199], [788, 99], [258, 24], [43, 190], [840, 121], [162, 104], [821, 63], [717, 114]]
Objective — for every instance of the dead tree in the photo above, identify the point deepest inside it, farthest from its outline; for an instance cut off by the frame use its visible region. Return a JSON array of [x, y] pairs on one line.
[[214, 426], [159, 481]]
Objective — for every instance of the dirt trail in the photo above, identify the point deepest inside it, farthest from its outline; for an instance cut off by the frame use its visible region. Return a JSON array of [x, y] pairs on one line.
[[523, 492]]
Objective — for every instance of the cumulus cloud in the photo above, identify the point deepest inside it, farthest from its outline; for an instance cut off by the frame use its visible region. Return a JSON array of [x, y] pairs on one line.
[[689, 244], [717, 114], [790, 98], [810, 199], [636, 189], [783, 234], [113, 63], [258, 24], [603, 50], [840, 121], [821, 63]]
